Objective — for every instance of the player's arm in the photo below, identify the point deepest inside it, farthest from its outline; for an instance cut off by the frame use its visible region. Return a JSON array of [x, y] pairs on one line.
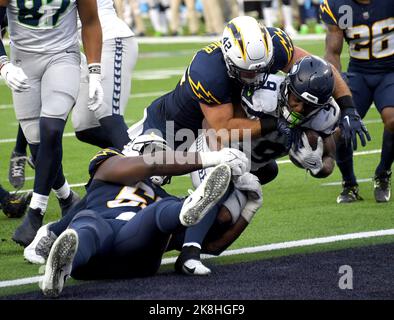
[[217, 246], [334, 45], [328, 158]]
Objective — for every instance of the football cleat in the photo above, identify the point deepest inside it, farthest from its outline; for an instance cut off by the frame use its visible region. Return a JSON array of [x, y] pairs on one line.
[[349, 194], [59, 263], [38, 251], [26, 232], [382, 187], [189, 262], [16, 172], [16, 204], [66, 204], [208, 193]]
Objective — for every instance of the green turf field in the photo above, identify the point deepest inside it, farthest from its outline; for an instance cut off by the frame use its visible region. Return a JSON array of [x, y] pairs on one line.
[[296, 206]]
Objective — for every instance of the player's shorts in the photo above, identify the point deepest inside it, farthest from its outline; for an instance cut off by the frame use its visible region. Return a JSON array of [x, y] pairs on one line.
[[118, 59], [368, 88], [53, 80]]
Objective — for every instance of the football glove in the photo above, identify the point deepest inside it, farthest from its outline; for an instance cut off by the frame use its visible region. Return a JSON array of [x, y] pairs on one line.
[[250, 184], [14, 77], [236, 159], [293, 135], [351, 125], [308, 158], [96, 93]]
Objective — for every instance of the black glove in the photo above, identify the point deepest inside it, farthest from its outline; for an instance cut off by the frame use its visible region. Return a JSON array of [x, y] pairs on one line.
[[293, 134], [351, 125]]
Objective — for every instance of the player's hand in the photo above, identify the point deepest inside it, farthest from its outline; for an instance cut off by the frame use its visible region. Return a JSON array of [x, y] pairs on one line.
[[14, 77], [293, 135], [250, 184], [236, 159], [351, 125], [96, 93], [308, 158]]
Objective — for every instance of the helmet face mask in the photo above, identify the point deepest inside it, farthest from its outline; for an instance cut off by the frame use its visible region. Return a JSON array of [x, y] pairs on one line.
[[247, 49], [311, 82], [148, 144]]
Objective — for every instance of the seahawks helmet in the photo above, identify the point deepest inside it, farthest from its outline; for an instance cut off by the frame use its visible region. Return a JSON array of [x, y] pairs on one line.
[[147, 144], [247, 50], [311, 80]]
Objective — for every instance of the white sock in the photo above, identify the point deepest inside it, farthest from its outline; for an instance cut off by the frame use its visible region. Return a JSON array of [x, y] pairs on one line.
[[287, 16], [192, 244], [268, 15], [39, 201], [63, 192]]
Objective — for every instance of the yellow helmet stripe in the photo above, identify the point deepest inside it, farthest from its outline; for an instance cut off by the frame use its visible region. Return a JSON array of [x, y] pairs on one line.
[[238, 38], [265, 40]]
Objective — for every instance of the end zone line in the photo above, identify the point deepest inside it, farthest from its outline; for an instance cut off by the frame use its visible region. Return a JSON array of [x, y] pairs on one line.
[[257, 249]]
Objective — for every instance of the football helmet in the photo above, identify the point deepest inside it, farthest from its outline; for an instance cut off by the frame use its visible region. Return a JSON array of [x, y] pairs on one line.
[[148, 144], [311, 80], [247, 49]]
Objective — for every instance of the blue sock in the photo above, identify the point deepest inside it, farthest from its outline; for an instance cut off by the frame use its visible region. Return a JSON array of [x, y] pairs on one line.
[[21, 142], [116, 130], [387, 155], [94, 136], [344, 158]]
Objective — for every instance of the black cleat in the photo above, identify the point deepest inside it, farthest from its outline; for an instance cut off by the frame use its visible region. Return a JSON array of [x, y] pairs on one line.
[[26, 232], [349, 194], [66, 204], [382, 187], [16, 172], [189, 263], [16, 204]]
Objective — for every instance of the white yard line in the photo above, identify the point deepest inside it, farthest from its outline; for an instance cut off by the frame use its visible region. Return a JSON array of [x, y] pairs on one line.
[[257, 249]]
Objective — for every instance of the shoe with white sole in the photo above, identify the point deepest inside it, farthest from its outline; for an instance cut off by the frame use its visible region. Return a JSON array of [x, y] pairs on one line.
[[59, 263], [189, 263], [208, 193], [38, 251]]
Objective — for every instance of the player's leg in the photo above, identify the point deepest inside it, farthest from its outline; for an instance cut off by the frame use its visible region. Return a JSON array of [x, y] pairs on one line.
[[87, 235], [16, 173], [59, 89], [384, 101], [288, 18], [362, 97], [268, 13]]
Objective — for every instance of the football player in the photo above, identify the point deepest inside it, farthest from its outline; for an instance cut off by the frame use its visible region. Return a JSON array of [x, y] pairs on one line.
[[123, 229], [44, 76], [367, 26]]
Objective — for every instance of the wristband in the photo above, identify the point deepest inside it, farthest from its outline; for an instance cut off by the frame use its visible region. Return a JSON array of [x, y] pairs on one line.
[[345, 102], [94, 68], [268, 124]]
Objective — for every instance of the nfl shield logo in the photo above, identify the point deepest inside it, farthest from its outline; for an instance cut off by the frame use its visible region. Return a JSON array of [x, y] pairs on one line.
[[366, 15]]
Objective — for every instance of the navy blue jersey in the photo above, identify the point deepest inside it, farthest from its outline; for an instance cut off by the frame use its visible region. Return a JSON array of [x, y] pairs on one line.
[[118, 201], [206, 81], [371, 37]]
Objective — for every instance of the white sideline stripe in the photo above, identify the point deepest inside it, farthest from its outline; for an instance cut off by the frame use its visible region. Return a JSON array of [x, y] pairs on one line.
[[257, 249], [338, 183], [73, 185]]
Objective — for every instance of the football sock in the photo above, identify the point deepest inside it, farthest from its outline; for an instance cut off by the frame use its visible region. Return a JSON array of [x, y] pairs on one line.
[[39, 201], [115, 129], [21, 142], [60, 179], [94, 136], [387, 155], [3, 194], [49, 156], [344, 158], [63, 192]]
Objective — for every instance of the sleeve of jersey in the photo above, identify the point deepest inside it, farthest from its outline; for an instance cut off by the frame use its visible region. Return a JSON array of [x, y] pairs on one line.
[[283, 48], [209, 86], [326, 12], [100, 157]]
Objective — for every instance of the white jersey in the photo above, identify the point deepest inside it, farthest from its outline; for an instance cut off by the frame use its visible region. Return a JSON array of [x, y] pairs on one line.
[[42, 26], [112, 26]]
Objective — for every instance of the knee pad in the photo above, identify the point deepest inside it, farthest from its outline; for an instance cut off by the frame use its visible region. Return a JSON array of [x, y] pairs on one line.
[[31, 130]]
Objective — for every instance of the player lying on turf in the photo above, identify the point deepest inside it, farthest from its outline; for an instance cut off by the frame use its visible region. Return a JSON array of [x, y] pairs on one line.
[[124, 226]]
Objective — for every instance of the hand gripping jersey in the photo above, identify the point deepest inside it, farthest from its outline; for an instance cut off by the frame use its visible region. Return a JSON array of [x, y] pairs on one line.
[[206, 81], [42, 26], [263, 101], [114, 201], [368, 29]]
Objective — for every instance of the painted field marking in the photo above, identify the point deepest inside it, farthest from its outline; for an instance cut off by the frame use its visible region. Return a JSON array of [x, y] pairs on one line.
[[256, 249]]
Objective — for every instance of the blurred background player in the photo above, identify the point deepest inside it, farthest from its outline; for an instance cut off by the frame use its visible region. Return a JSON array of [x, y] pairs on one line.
[[104, 126], [44, 77], [369, 31], [192, 18], [269, 14]]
